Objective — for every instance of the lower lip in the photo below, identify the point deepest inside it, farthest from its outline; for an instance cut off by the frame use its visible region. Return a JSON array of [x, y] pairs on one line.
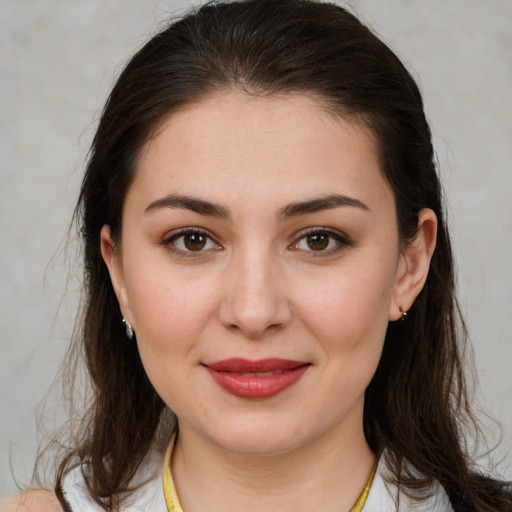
[[257, 387]]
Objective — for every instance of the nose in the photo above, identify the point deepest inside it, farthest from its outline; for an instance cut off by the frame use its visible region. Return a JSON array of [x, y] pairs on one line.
[[254, 301]]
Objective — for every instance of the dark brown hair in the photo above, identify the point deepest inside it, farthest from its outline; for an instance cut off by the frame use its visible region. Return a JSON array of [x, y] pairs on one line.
[[417, 405]]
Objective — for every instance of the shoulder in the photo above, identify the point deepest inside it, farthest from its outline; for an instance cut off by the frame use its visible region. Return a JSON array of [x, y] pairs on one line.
[[33, 500], [146, 494], [385, 496]]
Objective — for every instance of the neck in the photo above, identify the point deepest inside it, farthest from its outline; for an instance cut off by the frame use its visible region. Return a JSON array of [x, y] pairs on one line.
[[328, 473]]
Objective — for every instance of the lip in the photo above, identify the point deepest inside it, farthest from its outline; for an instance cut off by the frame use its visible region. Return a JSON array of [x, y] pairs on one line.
[[239, 376]]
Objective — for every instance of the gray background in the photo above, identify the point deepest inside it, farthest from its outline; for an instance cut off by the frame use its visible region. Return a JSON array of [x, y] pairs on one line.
[[57, 62]]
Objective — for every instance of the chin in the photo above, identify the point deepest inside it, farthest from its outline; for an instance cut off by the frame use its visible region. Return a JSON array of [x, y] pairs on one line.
[[259, 437]]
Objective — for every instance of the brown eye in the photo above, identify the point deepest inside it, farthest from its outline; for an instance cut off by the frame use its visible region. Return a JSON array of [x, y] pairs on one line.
[[323, 241], [194, 241], [317, 242], [191, 241]]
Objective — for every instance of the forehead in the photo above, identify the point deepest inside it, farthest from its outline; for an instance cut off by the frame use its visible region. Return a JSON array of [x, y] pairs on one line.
[[264, 147]]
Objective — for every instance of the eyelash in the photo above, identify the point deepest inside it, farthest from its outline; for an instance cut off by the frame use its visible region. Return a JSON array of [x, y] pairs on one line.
[[339, 238], [170, 242]]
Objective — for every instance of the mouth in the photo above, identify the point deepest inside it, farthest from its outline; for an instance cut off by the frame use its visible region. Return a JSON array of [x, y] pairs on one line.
[[255, 380]]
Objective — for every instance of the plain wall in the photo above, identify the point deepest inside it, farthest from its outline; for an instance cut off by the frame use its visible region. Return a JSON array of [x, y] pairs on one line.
[[58, 60]]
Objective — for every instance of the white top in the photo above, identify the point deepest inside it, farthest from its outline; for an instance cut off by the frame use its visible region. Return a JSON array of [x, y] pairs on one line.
[[150, 497], [147, 498], [383, 497]]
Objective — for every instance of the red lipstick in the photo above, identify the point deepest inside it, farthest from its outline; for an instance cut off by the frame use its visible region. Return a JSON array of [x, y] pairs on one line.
[[256, 379]]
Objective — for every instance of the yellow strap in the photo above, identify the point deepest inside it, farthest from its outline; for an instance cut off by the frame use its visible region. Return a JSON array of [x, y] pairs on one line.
[[171, 496], [358, 507], [174, 505]]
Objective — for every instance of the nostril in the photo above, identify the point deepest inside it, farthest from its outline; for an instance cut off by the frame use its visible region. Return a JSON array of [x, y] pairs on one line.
[[254, 307], [254, 332]]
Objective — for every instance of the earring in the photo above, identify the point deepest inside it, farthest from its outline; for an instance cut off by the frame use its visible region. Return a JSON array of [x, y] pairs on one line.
[[403, 311], [130, 333]]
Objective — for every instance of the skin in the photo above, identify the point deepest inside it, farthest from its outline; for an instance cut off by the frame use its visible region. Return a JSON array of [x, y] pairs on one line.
[[260, 288], [256, 289], [37, 500]]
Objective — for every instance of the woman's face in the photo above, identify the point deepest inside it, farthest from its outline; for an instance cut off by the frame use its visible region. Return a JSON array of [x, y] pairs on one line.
[[259, 267]]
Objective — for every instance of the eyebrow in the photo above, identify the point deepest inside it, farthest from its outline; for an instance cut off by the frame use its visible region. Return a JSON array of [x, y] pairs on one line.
[[319, 204], [189, 203], [209, 208]]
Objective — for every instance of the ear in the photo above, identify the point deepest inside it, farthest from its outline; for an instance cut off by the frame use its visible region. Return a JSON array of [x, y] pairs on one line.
[[112, 258], [414, 264]]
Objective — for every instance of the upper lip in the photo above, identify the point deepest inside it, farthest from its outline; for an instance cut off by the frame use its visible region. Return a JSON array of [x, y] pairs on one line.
[[238, 364]]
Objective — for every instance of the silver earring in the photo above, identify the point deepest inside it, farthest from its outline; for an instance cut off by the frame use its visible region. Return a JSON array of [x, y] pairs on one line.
[[130, 333]]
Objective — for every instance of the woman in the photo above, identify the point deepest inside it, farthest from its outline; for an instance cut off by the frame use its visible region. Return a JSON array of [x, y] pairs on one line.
[[266, 256]]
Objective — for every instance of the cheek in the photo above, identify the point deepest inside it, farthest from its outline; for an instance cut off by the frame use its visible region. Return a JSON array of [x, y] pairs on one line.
[[348, 315], [170, 311], [351, 306], [170, 317]]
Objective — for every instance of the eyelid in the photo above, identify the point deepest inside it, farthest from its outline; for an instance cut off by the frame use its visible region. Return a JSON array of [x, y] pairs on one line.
[[341, 238], [169, 238]]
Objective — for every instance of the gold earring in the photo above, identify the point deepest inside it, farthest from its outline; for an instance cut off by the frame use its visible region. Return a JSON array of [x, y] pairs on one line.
[[403, 311]]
